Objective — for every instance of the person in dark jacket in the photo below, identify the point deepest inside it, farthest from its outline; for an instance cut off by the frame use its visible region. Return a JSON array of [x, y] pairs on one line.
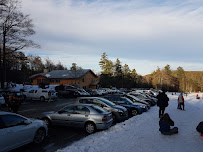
[[199, 128], [165, 124], [162, 102]]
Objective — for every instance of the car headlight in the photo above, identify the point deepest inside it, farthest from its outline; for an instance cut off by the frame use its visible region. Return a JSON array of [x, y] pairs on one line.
[[120, 111], [142, 106]]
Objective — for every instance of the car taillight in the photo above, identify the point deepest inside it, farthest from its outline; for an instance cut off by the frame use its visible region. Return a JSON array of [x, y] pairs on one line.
[[104, 118]]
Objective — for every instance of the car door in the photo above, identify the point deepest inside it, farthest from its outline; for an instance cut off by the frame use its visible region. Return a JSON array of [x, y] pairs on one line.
[[79, 116], [30, 94], [62, 117], [36, 95], [14, 132]]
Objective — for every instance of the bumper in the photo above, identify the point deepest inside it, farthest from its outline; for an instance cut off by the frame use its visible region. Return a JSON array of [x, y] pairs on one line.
[[104, 125], [121, 117]]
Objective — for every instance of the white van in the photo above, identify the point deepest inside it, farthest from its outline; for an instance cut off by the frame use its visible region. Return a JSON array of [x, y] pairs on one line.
[[40, 94]]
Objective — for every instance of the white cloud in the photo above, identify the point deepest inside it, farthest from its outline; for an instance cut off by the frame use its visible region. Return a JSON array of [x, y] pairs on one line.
[[139, 30]]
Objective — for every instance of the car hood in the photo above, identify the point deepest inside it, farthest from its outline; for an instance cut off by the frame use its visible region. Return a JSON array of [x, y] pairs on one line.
[[37, 121], [47, 113], [139, 104], [119, 107]]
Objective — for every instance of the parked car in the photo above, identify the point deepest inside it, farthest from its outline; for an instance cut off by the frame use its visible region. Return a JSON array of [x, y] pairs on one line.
[[17, 130], [83, 93], [88, 116], [132, 108], [137, 100], [93, 92], [2, 101], [119, 113], [141, 97], [40, 94], [149, 97]]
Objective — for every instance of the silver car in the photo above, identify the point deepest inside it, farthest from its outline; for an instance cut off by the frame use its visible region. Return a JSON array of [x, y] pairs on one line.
[[88, 116], [16, 131], [119, 113]]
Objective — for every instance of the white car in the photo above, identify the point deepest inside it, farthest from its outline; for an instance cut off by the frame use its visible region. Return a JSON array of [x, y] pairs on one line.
[[40, 94], [16, 131], [2, 100]]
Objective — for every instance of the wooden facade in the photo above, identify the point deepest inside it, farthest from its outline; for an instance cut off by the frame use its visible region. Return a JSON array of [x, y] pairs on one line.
[[84, 81]]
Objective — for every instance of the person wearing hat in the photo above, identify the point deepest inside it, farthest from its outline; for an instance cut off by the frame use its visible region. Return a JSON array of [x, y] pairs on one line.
[[165, 124], [162, 102], [181, 104]]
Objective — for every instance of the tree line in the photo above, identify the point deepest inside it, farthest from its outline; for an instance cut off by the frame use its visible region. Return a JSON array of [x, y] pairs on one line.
[[114, 74], [175, 80], [20, 66], [120, 76]]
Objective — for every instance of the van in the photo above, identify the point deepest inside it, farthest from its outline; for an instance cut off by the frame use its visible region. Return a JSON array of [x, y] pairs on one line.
[[40, 94]]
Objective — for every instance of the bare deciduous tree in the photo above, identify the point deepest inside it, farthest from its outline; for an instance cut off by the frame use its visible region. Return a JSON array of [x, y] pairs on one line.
[[15, 27]]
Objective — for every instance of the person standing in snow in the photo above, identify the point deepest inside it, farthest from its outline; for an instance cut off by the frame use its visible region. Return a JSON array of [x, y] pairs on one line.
[[162, 102], [165, 123], [181, 104]]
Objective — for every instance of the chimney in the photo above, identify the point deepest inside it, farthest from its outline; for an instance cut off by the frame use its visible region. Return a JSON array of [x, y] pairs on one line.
[[46, 70]]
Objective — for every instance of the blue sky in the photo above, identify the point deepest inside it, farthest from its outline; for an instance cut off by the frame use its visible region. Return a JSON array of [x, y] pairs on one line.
[[142, 33]]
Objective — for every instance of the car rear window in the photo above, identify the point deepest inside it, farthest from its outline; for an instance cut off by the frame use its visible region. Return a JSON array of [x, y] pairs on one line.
[[107, 102], [99, 109]]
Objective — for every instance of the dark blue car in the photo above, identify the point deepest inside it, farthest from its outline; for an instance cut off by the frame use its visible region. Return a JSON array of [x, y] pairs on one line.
[[132, 108]]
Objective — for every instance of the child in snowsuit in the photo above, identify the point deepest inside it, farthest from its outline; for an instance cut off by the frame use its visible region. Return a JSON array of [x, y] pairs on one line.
[[165, 123], [181, 104]]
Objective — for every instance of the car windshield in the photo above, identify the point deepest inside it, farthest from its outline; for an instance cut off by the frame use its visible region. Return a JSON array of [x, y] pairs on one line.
[[18, 94], [128, 100], [109, 103], [98, 109]]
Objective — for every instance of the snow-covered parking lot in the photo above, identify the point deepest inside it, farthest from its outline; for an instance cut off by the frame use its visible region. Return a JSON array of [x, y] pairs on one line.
[[141, 133]]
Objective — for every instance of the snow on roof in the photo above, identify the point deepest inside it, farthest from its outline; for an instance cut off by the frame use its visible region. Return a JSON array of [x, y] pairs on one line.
[[47, 75], [63, 73]]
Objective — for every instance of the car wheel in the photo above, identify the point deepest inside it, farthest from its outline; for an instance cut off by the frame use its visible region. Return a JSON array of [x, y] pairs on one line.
[[39, 136], [24, 98], [42, 99], [114, 119], [134, 112], [90, 127], [47, 121]]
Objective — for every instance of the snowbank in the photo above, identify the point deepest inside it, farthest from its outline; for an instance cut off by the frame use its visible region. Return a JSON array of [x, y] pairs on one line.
[[141, 134]]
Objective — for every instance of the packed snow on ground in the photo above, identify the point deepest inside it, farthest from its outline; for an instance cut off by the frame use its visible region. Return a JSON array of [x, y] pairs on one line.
[[141, 133]]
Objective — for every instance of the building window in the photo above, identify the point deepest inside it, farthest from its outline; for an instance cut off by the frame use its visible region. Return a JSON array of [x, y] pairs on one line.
[[83, 79], [52, 80], [57, 80]]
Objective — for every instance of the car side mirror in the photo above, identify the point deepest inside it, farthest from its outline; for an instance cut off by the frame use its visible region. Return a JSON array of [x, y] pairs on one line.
[[27, 122]]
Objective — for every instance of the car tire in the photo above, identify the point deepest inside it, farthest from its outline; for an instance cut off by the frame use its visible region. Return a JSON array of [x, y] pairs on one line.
[[24, 97], [134, 112], [114, 119], [42, 98], [47, 122], [39, 136], [90, 127]]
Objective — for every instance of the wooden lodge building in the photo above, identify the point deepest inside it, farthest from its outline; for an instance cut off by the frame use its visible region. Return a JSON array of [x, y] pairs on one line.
[[83, 78]]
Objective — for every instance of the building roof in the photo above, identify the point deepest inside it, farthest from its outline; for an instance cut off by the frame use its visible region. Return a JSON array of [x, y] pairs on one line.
[[64, 74]]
